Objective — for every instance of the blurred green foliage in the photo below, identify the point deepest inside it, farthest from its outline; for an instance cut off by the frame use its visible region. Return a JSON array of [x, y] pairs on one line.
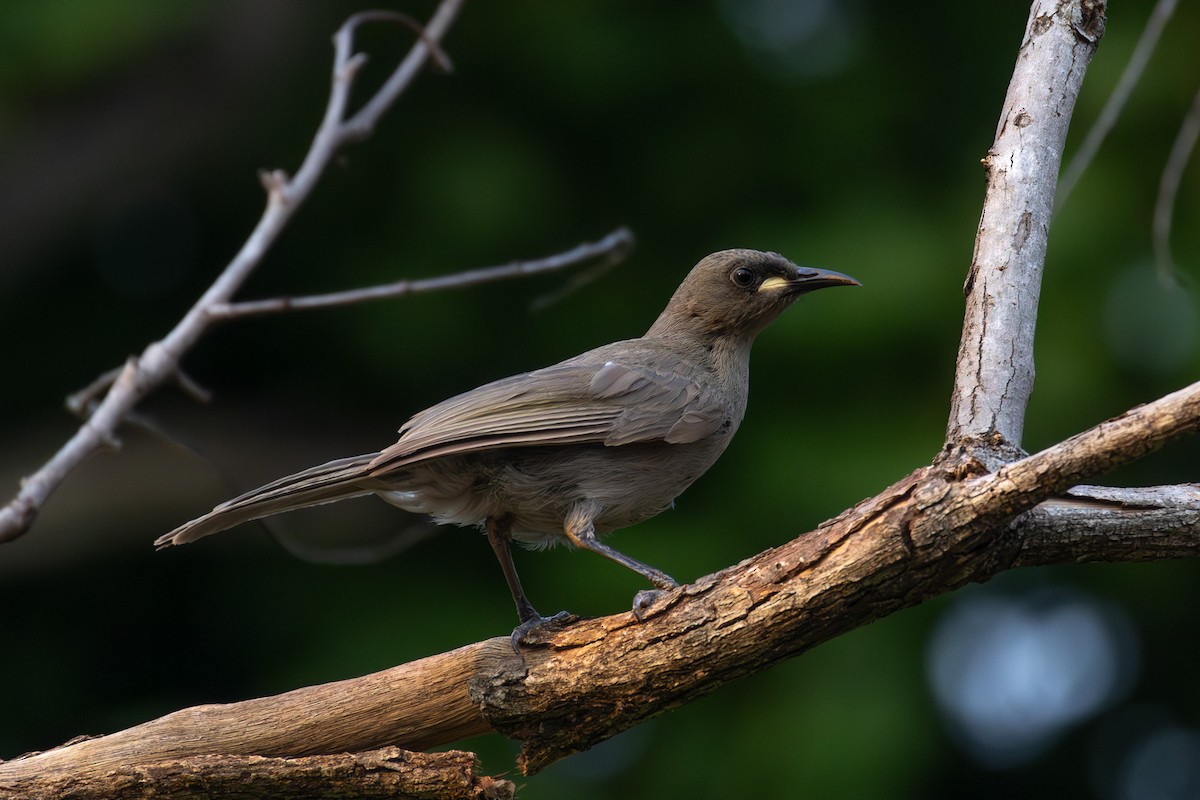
[[842, 135]]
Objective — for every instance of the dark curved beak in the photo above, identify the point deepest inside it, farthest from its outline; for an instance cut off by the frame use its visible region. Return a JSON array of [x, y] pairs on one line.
[[808, 279]]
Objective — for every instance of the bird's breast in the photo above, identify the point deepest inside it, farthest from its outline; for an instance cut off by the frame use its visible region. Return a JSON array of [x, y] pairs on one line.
[[538, 486]]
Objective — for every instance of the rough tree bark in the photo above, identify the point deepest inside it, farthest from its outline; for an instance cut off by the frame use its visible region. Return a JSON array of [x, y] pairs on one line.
[[994, 374], [981, 508]]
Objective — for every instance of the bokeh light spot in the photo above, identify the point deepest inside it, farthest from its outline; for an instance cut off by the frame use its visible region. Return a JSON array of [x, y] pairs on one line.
[[1013, 673]]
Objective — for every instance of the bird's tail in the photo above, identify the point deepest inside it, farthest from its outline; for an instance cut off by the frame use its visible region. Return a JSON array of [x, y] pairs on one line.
[[337, 480]]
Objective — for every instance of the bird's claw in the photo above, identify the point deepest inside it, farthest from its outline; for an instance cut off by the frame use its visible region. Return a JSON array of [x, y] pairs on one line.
[[643, 600], [537, 623]]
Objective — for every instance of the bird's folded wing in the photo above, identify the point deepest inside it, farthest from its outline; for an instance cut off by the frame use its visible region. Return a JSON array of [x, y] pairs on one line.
[[608, 403]]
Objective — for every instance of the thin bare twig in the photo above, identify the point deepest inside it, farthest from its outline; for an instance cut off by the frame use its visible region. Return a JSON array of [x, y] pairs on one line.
[[160, 360], [1163, 10], [362, 124], [614, 246], [576, 281], [1168, 189]]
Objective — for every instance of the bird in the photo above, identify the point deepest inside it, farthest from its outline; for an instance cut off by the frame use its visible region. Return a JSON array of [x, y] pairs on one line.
[[573, 451]]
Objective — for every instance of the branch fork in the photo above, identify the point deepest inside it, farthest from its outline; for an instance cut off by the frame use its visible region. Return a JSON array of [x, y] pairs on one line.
[[110, 400]]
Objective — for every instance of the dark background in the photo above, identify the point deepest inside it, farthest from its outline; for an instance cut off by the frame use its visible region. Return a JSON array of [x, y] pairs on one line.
[[844, 135]]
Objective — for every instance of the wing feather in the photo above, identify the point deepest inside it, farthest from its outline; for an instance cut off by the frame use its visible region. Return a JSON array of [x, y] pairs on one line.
[[614, 401]]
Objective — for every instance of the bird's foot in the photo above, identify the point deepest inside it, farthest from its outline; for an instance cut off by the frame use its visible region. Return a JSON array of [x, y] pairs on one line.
[[644, 599], [538, 622]]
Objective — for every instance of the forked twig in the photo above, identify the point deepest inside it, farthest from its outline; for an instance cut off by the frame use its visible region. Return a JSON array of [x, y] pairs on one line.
[[108, 401], [159, 362]]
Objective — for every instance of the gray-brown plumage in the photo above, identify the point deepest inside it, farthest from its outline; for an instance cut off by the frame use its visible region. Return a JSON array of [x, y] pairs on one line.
[[572, 451]]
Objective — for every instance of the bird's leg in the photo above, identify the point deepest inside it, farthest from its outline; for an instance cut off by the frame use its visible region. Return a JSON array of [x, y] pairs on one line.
[[499, 533], [582, 533]]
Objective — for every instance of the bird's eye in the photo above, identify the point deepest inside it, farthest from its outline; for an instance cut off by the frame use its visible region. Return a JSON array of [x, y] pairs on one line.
[[743, 277]]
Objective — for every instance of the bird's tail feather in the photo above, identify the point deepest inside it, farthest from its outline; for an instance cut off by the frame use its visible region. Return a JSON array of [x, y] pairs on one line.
[[324, 484]]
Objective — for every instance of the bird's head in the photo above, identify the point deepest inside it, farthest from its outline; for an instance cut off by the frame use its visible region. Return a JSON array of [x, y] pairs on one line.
[[737, 293]]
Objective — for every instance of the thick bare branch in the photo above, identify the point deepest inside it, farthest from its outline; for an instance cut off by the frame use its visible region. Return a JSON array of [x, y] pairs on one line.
[[417, 705], [386, 773], [160, 360], [926, 535], [1096, 451], [994, 373], [1145, 524]]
